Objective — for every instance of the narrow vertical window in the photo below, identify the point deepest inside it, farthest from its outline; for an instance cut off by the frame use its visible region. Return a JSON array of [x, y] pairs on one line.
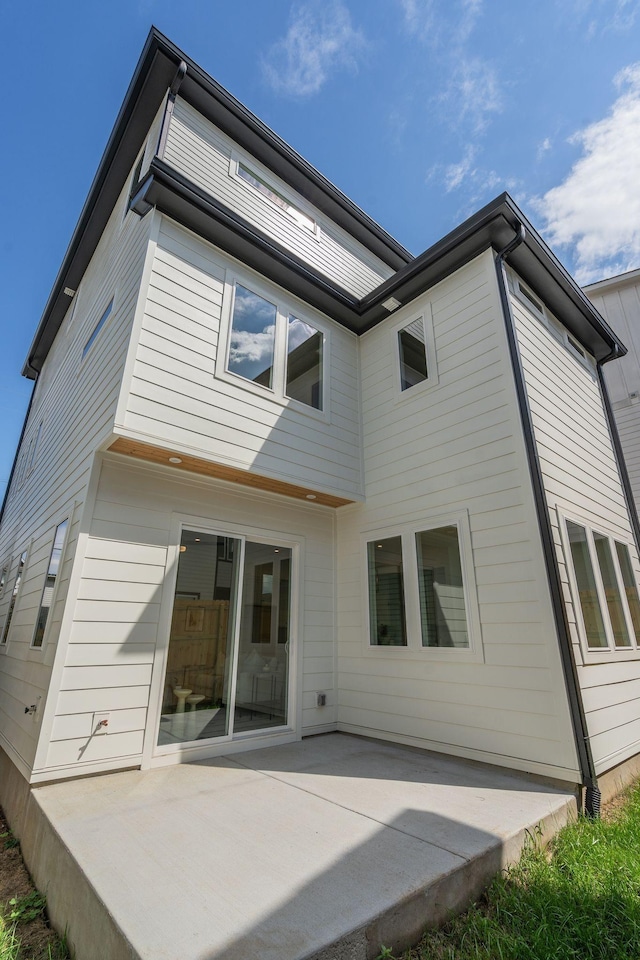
[[34, 450], [14, 595], [49, 584], [386, 593], [3, 579], [586, 582], [442, 609], [253, 331], [413, 354], [96, 330], [304, 363], [630, 586], [612, 593]]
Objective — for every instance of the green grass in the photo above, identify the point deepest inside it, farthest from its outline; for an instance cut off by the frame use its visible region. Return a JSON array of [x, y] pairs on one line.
[[578, 901]]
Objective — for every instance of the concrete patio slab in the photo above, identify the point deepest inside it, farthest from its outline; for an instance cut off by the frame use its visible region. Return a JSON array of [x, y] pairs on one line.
[[323, 849]]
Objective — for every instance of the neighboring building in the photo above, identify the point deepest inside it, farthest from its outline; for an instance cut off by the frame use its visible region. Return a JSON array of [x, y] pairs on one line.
[[618, 300], [278, 477]]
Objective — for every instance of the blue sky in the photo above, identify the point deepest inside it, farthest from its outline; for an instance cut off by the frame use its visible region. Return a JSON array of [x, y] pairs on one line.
[[420, 110]]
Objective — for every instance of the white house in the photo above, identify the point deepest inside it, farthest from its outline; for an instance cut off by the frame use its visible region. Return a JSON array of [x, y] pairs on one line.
[[279, 477]]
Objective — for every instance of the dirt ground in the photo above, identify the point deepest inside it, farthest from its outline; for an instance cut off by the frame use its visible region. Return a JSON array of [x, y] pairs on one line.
[[36, 936]]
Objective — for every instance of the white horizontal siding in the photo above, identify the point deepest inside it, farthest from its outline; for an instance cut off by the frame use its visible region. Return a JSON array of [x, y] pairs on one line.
[[75, 400], [453, 447], [175, 399], [620, 306], [581, 478], [116, 620], [201, 152]]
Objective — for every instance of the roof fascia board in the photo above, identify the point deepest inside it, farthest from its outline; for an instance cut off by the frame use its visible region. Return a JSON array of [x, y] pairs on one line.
[[150, 81], [629, 278], [492, 227], [152, 76]]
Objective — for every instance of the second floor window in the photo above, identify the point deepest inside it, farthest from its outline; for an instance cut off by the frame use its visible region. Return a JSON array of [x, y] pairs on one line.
[[274, 348]]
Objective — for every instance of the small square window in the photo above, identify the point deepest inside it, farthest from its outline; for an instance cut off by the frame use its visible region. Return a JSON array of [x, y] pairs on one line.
[[413, 354]]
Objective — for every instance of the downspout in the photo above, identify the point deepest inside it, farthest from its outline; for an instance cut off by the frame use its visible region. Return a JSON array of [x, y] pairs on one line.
[[181, 73], [576, 706], [137, 201], [617, 448]]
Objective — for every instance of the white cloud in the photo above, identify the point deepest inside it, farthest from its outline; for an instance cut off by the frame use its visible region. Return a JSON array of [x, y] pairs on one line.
[[595, 211], [471, 91], [251, 347], [454, 174], [321, 39], [432, 21], [604, 15], [543, 148], [475, 92]]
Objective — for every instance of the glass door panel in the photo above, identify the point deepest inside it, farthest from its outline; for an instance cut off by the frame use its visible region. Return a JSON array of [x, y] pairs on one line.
[[200, 659], [263, 644]]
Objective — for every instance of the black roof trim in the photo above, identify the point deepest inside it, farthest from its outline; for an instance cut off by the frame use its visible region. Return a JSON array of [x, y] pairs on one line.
[[491, 228], [152, 77], [173, 194]]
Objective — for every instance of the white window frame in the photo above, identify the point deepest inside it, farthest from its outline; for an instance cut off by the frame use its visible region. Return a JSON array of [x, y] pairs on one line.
[[555, 328], [159, 755], [414, 649], [27, 551], [105, 315], [611, 652], [56, 586], [278, 187], [395, 328], [285, 306]]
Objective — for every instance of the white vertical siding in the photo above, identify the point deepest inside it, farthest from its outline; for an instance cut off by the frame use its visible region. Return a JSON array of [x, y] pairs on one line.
[[581, 477], [197, 149], [116, 621], [455, 446], [75, 403], [175, 399]]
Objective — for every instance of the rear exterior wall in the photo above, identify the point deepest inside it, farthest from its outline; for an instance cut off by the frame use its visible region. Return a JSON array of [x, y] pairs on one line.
[[178, 394], [454, 449], [582, 482], [72, 413], [118, 632]]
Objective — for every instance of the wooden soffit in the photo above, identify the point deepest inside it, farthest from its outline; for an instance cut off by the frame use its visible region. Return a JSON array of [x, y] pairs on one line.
[[205, 468]]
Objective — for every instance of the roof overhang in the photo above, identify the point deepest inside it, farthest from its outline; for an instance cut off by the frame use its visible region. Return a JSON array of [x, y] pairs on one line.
[[151, 80], [492, 227]]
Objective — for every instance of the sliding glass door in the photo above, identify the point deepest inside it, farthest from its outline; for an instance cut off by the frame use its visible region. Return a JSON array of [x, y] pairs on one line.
[[228, 658]]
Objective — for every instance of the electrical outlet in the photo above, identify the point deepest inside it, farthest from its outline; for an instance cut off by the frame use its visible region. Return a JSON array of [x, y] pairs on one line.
[[321, 699], [101, 724]]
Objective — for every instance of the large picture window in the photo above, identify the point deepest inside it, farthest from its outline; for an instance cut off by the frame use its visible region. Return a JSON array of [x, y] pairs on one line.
[[605, 588], [276, 349], [421, 591]]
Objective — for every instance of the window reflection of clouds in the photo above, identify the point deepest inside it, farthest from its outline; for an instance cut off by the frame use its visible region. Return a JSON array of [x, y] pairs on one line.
[[299, 332], [252, 336]]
